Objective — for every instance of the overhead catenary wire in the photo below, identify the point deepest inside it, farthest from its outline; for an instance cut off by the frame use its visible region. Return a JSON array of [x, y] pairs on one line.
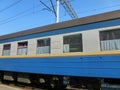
[[9, 6], [68, 7], [46, 6], [10, 19], [89, 10], [18, 17], [21, 13], [53, 7]]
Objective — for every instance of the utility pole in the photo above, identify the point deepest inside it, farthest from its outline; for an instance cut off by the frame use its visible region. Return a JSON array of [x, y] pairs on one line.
[[57, 10], [66, 4]]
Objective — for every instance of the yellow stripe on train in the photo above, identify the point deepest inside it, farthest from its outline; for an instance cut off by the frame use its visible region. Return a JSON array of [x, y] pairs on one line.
[[102, 53]]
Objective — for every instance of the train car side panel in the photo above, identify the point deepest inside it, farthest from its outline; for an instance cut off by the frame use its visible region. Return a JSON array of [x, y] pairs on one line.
[[88, 66]]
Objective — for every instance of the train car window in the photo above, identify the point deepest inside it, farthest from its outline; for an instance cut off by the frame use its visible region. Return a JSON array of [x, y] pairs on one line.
[[22, 48], [43, 46], [6, 50], [110, 40], [72, 43]]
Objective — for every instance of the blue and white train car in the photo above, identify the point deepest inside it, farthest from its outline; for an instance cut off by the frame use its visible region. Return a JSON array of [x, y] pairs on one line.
[[84, 52]]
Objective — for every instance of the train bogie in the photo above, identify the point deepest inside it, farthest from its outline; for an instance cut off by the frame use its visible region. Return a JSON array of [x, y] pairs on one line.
[[8, 76]]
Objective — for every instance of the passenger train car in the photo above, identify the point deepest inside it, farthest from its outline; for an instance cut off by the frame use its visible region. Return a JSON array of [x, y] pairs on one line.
[[83, 52]]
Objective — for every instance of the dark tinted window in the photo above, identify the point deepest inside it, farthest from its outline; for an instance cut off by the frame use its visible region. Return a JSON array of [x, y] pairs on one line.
[[110, 40], [73, 43], [43, 46], [109, 35], [22, 48], [6, 49]]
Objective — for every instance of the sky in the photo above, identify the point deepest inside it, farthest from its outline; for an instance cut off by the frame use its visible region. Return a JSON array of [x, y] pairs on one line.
[[19, 15]]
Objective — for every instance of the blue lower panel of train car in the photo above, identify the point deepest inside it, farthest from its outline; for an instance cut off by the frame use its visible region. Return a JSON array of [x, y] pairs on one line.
[[87, 66]]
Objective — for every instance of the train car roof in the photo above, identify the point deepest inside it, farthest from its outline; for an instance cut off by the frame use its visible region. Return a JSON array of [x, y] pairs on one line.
[[81, 21]]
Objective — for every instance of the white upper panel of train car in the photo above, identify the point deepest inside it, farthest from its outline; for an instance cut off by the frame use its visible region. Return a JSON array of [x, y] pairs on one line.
[[79, 35]]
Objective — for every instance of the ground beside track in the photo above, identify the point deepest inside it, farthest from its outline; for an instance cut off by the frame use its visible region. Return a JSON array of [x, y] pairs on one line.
[[12, 87], [5, 87]]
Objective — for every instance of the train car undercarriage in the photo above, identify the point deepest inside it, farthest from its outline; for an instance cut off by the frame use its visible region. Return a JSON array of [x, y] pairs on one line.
[[60, 82]]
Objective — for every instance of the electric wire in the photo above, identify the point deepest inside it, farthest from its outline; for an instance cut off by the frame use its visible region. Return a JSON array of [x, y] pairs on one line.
[[16, 16], [11, 5], [89, 10], [21, 13]]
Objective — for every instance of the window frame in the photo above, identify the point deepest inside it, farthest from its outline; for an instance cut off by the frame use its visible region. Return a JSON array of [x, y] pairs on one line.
[[44, 45], [24, 42], [71, 36], [6, 49], [108, 37]]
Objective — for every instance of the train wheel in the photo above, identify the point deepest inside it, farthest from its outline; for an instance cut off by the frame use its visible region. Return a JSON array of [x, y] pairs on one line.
[[57, 83]]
